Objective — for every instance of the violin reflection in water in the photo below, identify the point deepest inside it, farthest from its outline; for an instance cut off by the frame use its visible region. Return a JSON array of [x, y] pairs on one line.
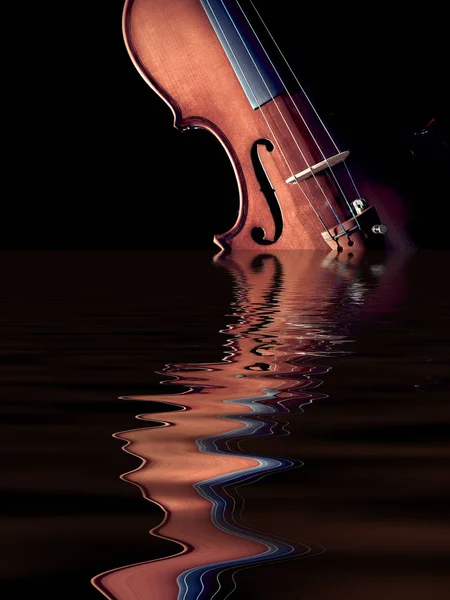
[[218, 67], [290, 316]]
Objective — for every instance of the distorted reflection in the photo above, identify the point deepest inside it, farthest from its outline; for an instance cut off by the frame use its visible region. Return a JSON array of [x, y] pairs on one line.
[[291, 316]]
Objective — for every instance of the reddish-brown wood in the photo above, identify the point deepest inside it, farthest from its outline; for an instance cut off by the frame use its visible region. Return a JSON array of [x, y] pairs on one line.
[[175, 49]]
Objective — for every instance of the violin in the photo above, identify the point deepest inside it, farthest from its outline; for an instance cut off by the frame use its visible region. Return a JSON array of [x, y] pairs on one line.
[[218, 67]]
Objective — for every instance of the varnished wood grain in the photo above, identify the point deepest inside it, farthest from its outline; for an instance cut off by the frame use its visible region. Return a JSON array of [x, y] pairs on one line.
[[175, 49]]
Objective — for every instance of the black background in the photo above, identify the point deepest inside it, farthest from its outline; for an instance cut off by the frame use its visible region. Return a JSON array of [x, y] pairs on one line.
[[95, 162]]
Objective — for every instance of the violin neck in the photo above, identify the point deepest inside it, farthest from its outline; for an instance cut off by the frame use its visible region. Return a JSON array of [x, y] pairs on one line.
[[249, 50]]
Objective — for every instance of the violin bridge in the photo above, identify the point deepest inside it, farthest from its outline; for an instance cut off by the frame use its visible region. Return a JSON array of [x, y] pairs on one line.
[[320, 166]]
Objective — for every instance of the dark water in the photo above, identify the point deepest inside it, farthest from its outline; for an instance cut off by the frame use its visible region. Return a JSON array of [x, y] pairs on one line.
[[304, 451]]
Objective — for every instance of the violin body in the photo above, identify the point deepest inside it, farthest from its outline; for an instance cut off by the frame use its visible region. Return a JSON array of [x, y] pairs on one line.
[[175, 48]]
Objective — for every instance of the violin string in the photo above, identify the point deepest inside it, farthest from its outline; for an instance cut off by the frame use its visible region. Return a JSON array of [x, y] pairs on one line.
[[305, 94], [298, 110], [282, 117], [268, 124]]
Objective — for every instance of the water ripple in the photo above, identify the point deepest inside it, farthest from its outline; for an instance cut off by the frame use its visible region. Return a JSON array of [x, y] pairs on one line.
[[291, 312]]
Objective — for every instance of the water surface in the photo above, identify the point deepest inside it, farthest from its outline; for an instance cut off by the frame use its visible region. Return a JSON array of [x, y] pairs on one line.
[[283, 419]]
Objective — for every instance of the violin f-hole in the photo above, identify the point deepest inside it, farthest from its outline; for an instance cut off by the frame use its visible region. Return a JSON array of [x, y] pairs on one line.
[[258, 233]]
